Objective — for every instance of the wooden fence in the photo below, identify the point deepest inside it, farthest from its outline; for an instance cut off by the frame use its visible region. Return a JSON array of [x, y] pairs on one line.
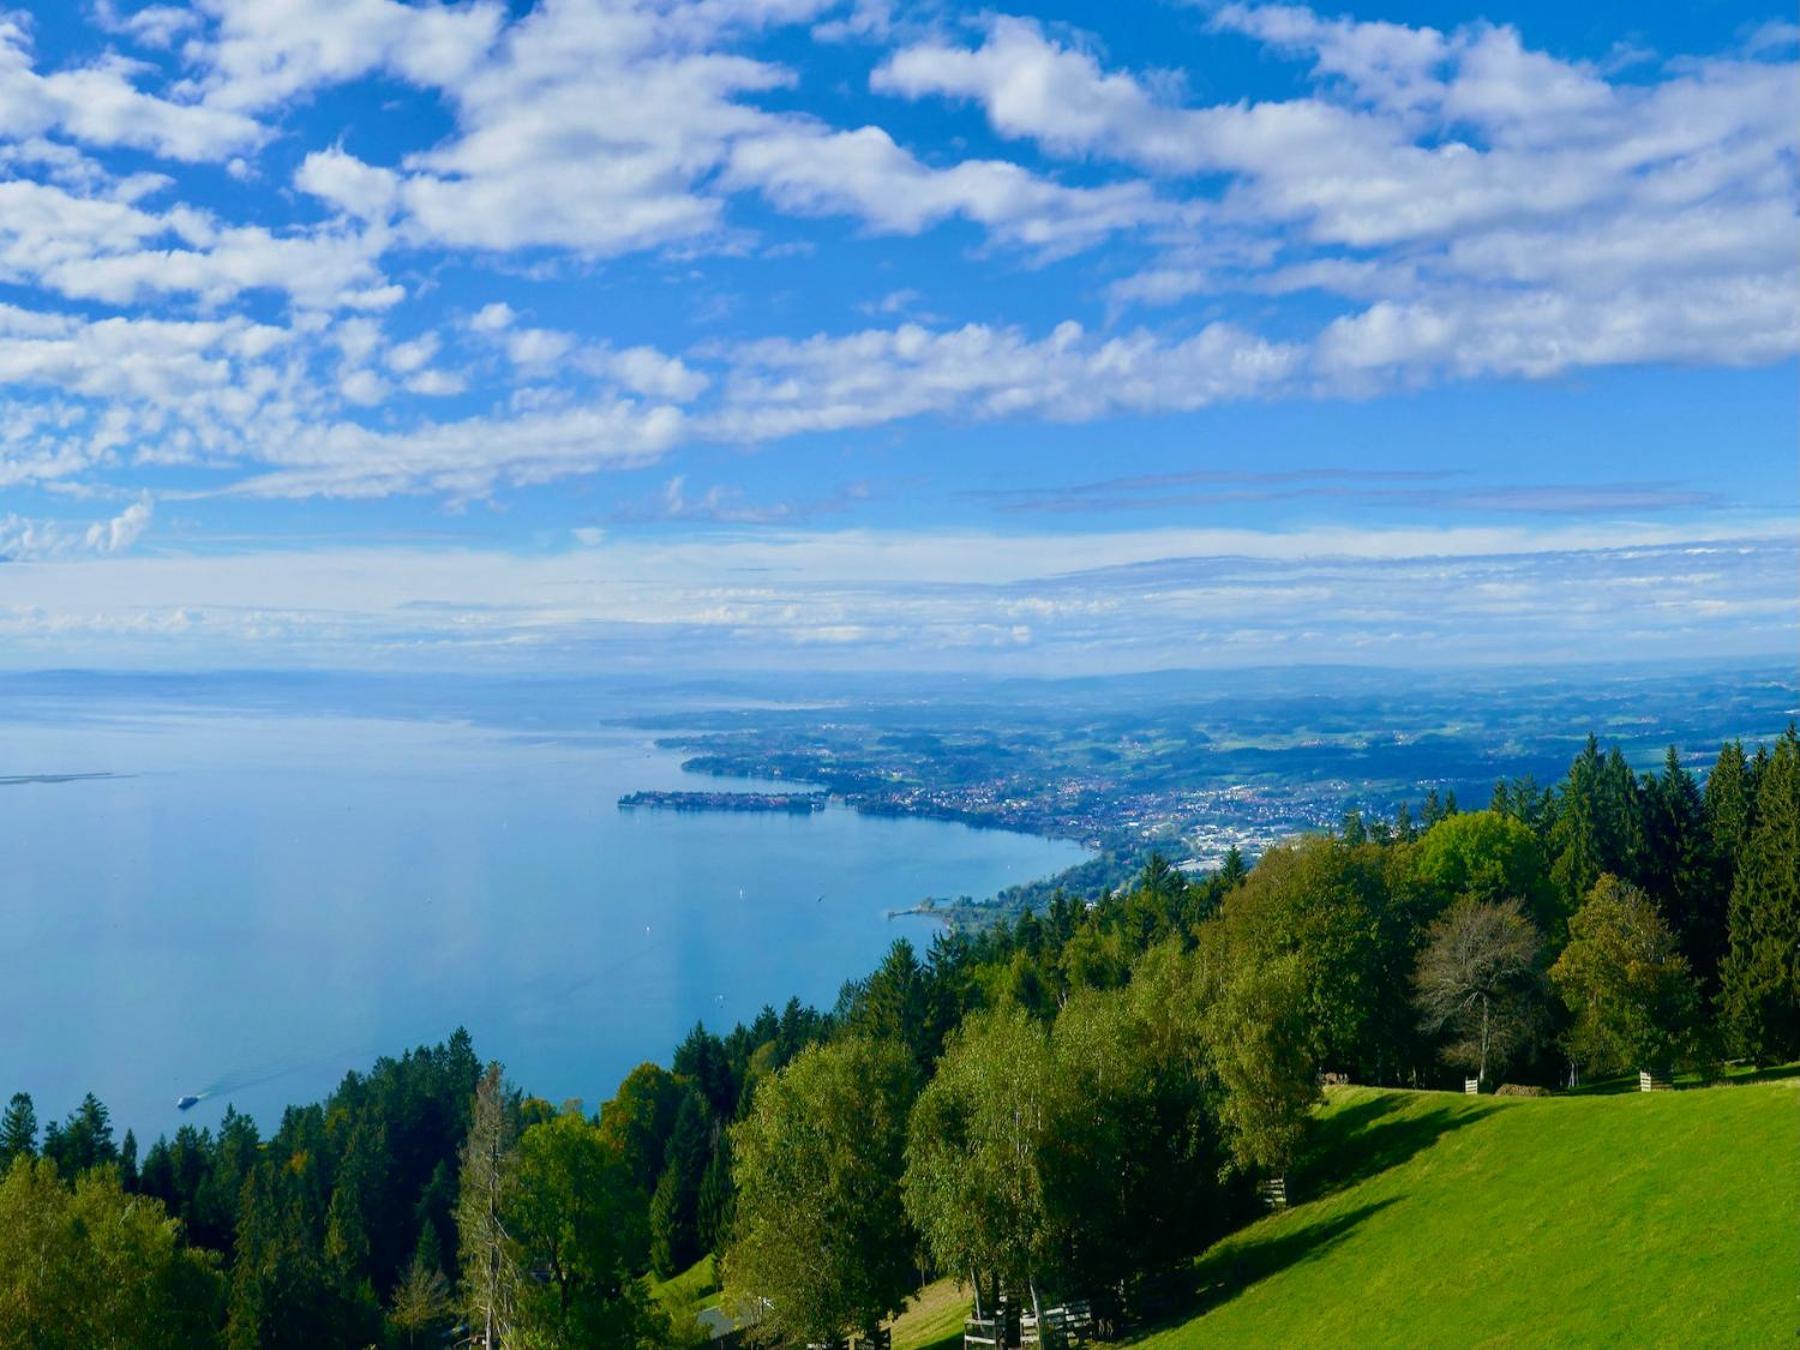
[[1273, 1191]]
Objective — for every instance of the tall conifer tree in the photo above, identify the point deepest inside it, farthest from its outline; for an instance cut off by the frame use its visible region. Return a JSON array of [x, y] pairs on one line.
[[1761, 993]]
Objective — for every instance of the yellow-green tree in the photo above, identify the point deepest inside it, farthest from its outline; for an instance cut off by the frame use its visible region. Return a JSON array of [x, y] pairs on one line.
[[96, 1267]]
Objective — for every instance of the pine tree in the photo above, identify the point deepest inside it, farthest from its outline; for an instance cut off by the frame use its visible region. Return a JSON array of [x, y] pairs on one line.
[[1403, 827], [84, 1141], [1680, 870], [896, 1004], [717, 1199], [675, 1208], [1576, 846], [18, 1130], [1761, 978], [128, 1162], [1232, 871], [1433, 811], [1729, 804]]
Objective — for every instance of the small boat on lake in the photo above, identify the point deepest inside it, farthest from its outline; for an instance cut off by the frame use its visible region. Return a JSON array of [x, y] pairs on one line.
[[182, 1103]]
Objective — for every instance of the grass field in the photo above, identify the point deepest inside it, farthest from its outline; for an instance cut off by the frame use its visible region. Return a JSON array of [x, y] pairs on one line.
[[683, 1297], [1437, 1219]]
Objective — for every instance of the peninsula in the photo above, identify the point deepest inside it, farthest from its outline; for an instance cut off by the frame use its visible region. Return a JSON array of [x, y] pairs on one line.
[[794, 803]]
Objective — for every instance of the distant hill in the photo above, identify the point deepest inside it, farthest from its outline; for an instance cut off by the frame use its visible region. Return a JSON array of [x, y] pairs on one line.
[[1429, 1218]]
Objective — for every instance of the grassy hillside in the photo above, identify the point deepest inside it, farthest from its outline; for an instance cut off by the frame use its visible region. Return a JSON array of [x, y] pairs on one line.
[[1437, 1219]]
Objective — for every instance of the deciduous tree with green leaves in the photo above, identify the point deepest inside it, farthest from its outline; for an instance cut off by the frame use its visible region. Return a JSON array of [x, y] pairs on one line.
[[1626, 982], [821, 1239], [974, 1186], [1260, 1049], [94, 1266], [575, 1219]]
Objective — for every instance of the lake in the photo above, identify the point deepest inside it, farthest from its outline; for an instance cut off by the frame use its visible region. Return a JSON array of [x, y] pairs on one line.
[[263, 900]]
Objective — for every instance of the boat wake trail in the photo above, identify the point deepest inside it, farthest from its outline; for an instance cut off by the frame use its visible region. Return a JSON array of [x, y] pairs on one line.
[[243, 1080]]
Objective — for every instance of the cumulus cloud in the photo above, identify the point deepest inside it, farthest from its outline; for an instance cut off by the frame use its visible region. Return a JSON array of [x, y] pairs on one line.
[[1429, 205], [23, 539], [100, 105], [1507, 210]]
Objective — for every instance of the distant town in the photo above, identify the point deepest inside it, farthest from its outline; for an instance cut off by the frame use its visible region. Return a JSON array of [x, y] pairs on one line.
[[1196, 769]]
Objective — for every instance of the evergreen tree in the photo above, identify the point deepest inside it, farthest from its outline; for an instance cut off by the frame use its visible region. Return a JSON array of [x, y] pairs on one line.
[[896, 1004], [1680, 868], [1232, 871], [1527, 803], [1761, 978], [1404, 830], [422, 1305], [1729, 806], [675, 1208], [1578, 848], [718, 1198], [83, 1141], [283, 1291], [702, 1060], [18, 1130]]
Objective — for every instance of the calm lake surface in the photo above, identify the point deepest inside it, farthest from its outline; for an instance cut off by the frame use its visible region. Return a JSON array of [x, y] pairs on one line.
[[268, 900]]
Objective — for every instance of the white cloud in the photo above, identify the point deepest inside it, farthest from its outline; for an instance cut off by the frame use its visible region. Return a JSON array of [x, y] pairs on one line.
[[23, 539], [100, 105], [648, 372], [808, 169], [780, 387], [362, 190], [1127, 599], [264, 53], [493, 318], [642, 104], [90, 246], [466, 458], [1461, 180]]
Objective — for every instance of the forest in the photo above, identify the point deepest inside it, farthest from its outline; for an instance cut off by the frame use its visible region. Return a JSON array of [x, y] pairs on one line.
[[1066, 1105]]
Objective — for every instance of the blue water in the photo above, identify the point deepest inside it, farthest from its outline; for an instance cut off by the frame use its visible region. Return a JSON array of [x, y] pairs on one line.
[[262, 901]]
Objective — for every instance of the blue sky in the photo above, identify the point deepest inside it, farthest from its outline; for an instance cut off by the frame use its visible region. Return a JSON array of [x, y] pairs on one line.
[[745, 334]]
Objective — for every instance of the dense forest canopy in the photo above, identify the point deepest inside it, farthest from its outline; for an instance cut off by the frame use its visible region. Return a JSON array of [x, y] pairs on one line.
[[1067, 1103]]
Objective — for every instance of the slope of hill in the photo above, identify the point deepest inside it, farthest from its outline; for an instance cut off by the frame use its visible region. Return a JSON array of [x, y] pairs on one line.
[[1435, 1219]]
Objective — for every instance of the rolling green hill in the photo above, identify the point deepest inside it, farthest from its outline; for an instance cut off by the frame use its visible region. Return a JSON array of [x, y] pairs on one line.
[[1436, 1219]]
